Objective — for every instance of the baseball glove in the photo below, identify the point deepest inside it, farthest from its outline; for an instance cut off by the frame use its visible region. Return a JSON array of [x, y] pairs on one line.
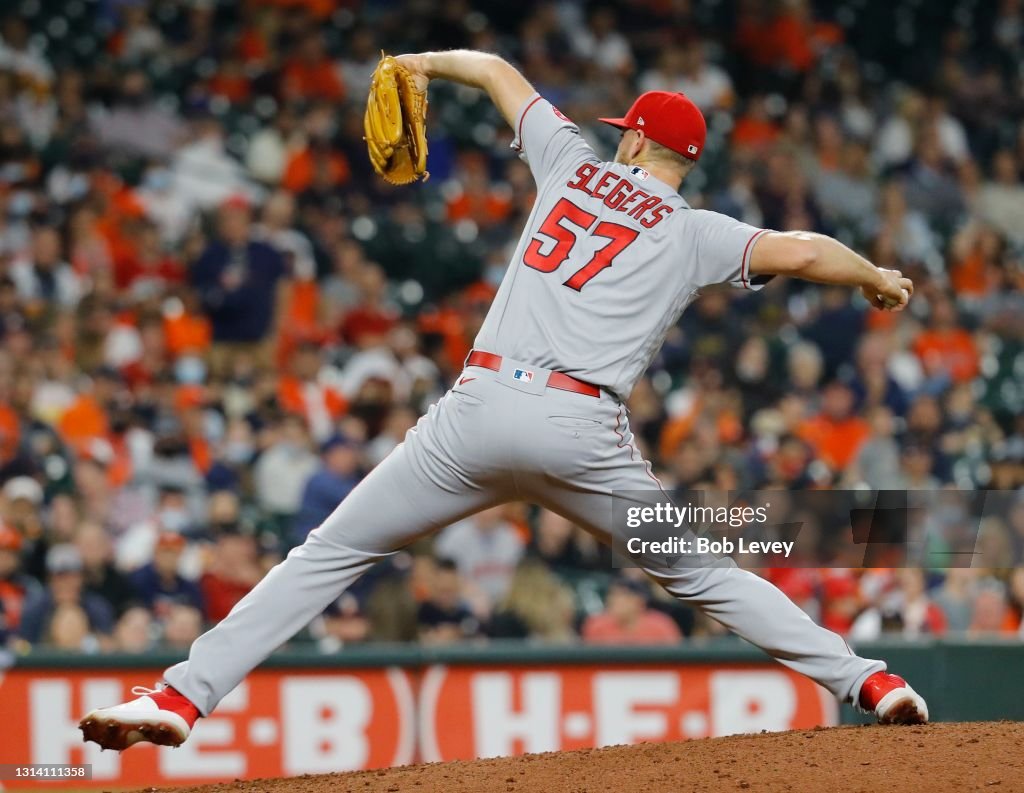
[[395, 124]]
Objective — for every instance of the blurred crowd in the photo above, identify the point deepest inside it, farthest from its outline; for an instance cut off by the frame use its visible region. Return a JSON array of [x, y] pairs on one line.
[[214, 320]]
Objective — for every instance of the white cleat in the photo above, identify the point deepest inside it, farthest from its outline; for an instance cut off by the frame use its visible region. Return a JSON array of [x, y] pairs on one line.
[[159, 716]]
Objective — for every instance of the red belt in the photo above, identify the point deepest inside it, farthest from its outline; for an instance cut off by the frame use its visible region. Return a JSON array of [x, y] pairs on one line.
[[563, 382]]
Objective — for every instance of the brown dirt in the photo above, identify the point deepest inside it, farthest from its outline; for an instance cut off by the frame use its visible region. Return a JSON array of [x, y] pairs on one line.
[[932, 759]]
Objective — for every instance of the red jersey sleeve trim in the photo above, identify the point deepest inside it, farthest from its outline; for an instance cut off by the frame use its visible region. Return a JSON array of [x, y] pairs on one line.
[[522, 116], [744, 261]]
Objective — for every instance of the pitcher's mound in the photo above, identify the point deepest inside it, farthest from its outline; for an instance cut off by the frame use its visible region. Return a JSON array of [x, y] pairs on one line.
[[933, 759]]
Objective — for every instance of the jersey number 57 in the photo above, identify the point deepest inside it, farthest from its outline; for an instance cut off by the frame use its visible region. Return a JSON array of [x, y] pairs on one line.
[[619, 238]]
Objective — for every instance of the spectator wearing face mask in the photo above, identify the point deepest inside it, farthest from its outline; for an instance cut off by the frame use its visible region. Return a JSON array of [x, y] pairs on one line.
[[159, 585], [172, 516]]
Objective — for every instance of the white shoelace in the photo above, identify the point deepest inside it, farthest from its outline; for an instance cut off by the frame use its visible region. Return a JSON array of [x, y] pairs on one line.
[[142, 691]]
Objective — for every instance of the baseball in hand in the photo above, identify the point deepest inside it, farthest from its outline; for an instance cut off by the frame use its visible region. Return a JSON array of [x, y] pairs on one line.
[[890, 303]]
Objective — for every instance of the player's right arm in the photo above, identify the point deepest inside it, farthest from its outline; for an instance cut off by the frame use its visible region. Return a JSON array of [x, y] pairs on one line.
[[507, 88], [815, 257]]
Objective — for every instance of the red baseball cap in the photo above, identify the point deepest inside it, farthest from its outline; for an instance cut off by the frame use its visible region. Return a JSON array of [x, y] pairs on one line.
[[667, 118]]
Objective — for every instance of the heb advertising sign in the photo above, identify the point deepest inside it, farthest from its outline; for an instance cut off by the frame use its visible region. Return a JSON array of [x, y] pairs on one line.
[[274, 724], [285, 723], [468, 712]]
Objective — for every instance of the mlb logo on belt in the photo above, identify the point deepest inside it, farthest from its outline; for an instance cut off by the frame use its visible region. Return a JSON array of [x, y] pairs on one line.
[[522, 375]]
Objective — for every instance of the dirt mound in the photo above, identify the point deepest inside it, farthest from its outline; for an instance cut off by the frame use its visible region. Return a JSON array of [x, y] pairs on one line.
[[935, 758]]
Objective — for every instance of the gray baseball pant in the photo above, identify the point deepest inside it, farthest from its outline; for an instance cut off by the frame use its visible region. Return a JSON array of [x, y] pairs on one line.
[[493, 439]]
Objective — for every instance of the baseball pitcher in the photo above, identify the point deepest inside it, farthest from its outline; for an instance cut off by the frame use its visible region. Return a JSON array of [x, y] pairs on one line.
[[610, 257]]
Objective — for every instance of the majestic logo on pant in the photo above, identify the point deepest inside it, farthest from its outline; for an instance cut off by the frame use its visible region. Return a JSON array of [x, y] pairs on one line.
[[523, 375]]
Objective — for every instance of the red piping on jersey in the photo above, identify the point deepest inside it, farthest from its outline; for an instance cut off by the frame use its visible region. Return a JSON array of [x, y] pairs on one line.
[[622, 440], [743, 261], [519, 137]]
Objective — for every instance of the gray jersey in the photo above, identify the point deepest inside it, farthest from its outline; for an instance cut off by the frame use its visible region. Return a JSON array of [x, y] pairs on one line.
[[607, 262]]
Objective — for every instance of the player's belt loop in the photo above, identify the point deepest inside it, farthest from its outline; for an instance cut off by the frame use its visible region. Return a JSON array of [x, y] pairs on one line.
[[559, 380]]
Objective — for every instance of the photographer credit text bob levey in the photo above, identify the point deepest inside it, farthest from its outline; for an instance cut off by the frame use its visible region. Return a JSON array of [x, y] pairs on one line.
[[674, 517]]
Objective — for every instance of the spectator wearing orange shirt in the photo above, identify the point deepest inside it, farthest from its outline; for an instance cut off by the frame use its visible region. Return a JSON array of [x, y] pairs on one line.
[[798, 38], [755, 129], [628, 620], [299, 391], [10, 433], [977, 251], [474, 197], [836, 434], [317, 9], [231, 82], [84, 420], [789, 41], [751, 22], [310, 74], [946, 350], [254, 42], [315, 164]]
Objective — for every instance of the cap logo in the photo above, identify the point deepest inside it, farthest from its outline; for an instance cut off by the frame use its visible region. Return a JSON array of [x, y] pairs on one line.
[[691, 149], [640, 121]]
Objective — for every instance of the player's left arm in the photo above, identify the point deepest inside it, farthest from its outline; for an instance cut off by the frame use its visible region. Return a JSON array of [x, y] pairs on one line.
[[549, 142], [502, 81], [815, 257]]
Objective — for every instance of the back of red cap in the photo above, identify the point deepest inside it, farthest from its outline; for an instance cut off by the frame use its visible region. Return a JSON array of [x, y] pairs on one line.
[[668, 118]]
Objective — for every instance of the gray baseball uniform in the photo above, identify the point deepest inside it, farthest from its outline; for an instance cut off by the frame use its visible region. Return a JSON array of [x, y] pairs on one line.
[[609, 259]]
